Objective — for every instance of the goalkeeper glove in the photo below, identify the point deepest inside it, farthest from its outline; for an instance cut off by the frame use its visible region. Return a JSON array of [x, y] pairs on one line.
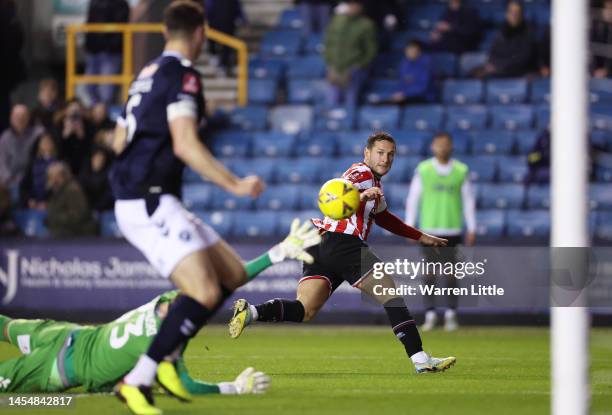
[[295, 244]]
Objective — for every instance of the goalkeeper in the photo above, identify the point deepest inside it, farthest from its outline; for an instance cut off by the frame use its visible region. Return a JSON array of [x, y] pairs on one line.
[[58, 355]]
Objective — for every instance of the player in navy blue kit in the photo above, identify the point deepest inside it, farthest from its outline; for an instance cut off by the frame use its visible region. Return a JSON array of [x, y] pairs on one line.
[[154, 138]]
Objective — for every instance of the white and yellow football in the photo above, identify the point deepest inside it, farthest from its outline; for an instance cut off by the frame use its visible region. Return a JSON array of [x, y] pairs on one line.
[[338, 199]]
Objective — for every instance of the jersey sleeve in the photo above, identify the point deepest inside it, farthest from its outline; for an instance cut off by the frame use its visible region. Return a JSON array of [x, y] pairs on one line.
[[360, 176], [184, 93]]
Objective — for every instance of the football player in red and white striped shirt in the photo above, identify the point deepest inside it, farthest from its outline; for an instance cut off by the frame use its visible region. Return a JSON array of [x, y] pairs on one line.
[[343, 255]]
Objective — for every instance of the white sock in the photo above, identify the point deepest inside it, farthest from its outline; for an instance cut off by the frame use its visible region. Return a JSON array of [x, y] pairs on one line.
[[143, 373], [419, 357], [254, 313]]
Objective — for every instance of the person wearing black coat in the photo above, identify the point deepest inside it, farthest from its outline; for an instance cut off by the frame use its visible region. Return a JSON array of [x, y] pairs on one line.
[[13, 69], [458, 30]]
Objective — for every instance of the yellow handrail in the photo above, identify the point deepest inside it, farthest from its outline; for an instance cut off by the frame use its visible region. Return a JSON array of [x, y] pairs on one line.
[[127, 73]]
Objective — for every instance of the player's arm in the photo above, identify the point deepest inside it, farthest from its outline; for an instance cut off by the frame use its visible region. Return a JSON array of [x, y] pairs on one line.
[[387, 220], [119, 137]]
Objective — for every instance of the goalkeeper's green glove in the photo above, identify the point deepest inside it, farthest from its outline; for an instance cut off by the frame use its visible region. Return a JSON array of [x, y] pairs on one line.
[[295, 244]]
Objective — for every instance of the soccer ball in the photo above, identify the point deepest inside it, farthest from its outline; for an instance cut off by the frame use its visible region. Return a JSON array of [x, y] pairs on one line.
[[338, 199]]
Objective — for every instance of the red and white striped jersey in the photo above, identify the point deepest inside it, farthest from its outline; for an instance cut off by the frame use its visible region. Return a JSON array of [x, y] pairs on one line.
[[359, 224]]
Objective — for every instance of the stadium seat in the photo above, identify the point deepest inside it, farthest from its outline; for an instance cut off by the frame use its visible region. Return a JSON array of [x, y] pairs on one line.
[[423, 117], [314, 44], [380, 90], [261, 167], [540, 91], [492, 142], [256, 224], [318, 144], [306, 67], [470, 61], [305, 91], [603, 229], [395, 195], [462, 92], [273, 144], [338, 166], [444, 65], [281, 43], [542, 116], [222, 221], [249, 118], [534, 223], [411, 142], [386, 65], [290, 19], [525, 140], [197, 196], [32, 222], [601, 117], [231, 143], [378, 118], [506, 91], [291, 119], [461, 143], [286, 217], [424, 16], [501, 196], [469, 117], [261, 68], [512, 169], [335, 119], [601, 91], [482, 168], [108, 225], [402, 170], [401, 39], [281, 197], [301, 170], [492, 15], [600, 196], [223, 200], [512, 117], [308, 196], [538, 197], [602, 140], [490, 223], [351, 143], [262, 91], [603, 174], [190, 176]]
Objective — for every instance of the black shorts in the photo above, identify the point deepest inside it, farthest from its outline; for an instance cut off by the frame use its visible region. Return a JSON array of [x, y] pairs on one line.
[[338, 258]]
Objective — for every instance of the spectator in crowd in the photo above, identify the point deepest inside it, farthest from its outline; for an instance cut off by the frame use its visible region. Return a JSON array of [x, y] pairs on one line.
[[224, 16], [415, 76], [47, 104], [16, 145], [315, 15], [12, 70], [99, 117], [33, 190], [513, 51], [74, 135], [538, 160], [441, 195], [459, 29], [387, 17], [68, 212], [103, 50], [104, 139], [7, 225], [350, 47], [94, 181], [601, 32]]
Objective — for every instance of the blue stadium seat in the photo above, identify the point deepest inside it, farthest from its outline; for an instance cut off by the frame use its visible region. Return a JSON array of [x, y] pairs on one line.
[[512, 117], [108, 225], [424, 17], [197, 196], [461, 142], [470, 61], [525, 140], [286, 217], [444, 65], [506, 91], [600, 196], [308, 196], [542, 116], [301, 170], [231, 143], [190, 176], [290, 19], [603, 229], [249, 118], [386, 65], [380, 90], [291, 119], [262, 91], [261, 167], [462, 92], [306, 67], [255, 224], [482, 168], [273, 144], [492, 142], [538, 197], [540, 91], [603, 174], [260, 68], [512, 169], [401, 39], [338, 166], [32, 222], [222, 221], [490, 223], [402, 169], [352, 143], [378, 118], [534, 223], [423, 117], [304, 91], [281, 43], [538, 13], [281, 197], [491, 14], [501, 196], [314, 44], [319, 144], [469, 117], [226, 201], [601, 91], [602, 140], [335, 119], [601, 117], [411, 142], [395, 195]]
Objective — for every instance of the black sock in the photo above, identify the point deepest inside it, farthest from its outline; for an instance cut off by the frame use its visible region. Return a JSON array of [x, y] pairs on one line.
[[280, 310], [185, 317], [404, 326]]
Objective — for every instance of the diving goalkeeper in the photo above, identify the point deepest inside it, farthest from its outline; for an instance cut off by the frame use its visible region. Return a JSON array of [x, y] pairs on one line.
[[58, 356]]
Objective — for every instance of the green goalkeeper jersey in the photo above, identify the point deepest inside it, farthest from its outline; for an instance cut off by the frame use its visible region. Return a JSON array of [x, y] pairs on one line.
[[102, 355]]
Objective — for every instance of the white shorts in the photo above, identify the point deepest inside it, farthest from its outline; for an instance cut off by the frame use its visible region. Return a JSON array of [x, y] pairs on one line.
[[166, 237]]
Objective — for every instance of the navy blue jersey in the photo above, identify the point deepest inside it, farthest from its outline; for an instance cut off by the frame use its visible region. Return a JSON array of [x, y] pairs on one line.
[[166, 88]]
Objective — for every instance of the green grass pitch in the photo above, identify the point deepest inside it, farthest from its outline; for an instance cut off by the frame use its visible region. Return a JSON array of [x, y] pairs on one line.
[[363, 370]]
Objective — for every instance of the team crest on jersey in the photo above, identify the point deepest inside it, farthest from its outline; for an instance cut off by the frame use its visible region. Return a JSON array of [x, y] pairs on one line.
[[191, 84]]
